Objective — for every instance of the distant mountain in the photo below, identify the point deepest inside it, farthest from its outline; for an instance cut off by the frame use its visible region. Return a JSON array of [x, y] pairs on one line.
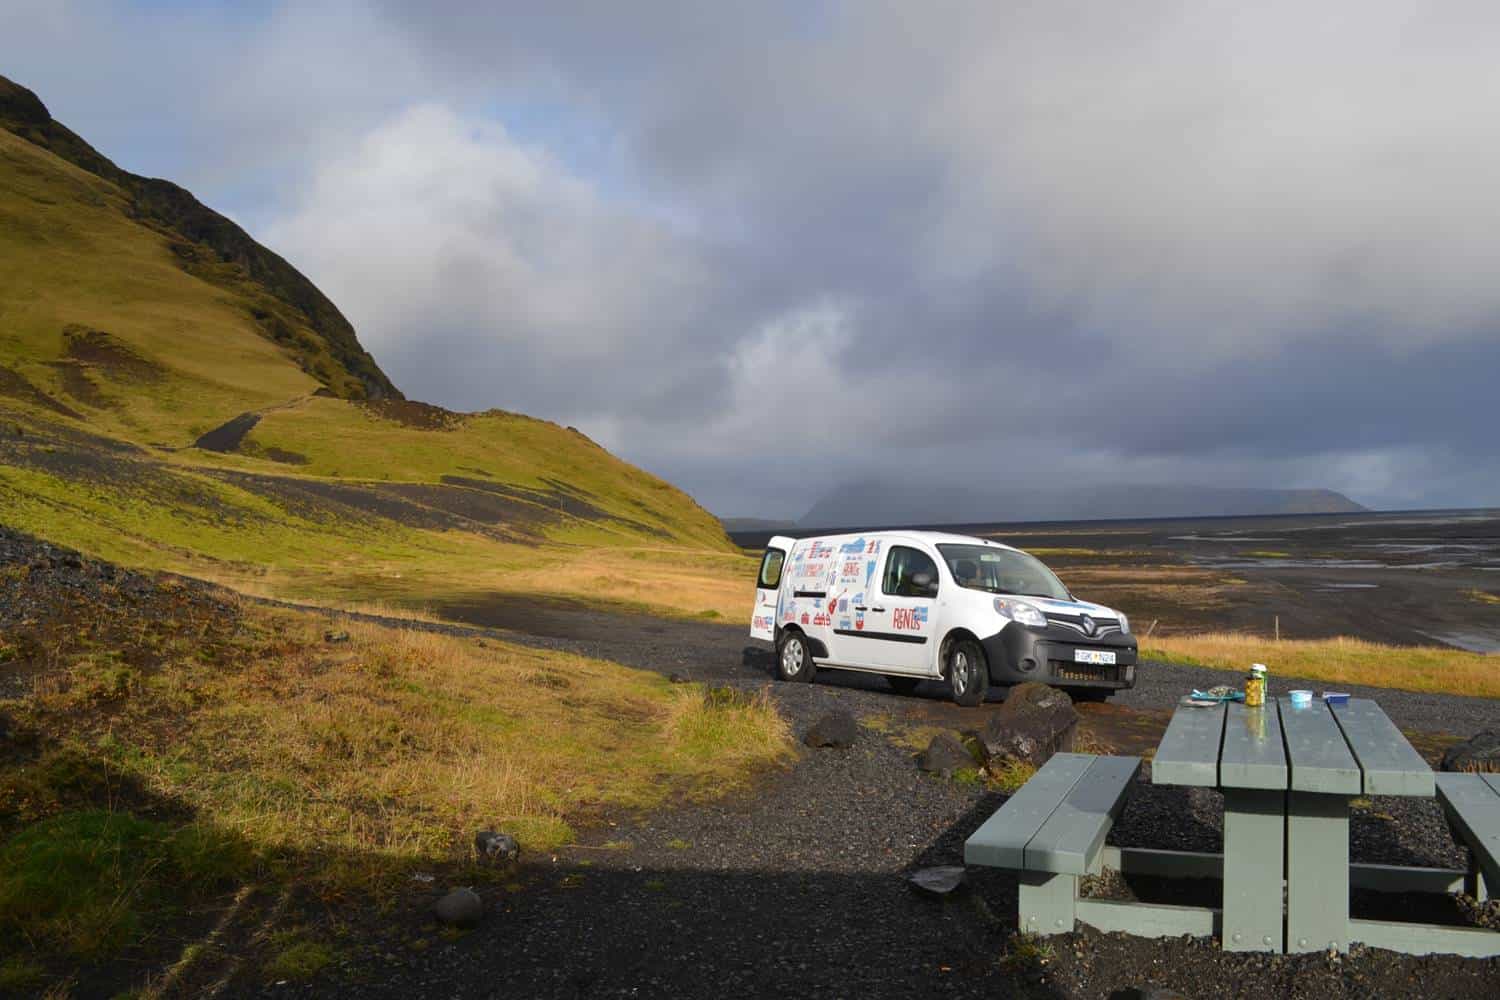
[[876, 504]]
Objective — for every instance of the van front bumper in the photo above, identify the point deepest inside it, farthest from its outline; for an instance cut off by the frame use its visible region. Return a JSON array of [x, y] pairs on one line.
[[1020, 653]]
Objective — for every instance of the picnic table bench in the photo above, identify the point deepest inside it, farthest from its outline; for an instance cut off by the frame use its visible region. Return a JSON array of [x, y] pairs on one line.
[[1287, 773]]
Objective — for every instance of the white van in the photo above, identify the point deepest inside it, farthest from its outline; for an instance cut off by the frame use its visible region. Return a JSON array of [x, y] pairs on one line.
[[923, 605]]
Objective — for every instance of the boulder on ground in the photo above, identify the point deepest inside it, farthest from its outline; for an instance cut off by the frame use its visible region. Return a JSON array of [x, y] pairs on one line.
[[1035, 722], [493, 845], [460, 908], [1478, 754], [836, 729], [335, 635], [944, 755], [939, 882]]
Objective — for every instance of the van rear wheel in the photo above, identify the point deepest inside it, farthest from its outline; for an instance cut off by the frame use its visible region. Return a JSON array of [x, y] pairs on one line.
[[968, 673], [793, 661]]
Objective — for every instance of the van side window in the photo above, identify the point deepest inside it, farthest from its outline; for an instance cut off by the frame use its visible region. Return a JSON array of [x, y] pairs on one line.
[[910, 573], [770, 569]]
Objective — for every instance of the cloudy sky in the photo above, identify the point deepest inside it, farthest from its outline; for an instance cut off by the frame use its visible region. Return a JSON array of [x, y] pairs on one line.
[[757, 247]]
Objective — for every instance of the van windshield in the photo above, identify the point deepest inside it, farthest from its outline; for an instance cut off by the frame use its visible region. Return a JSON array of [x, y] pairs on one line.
[[1002, 571]]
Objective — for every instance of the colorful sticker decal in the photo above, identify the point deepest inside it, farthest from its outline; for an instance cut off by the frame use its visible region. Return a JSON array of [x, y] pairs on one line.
[[762, 622], [806, 618], [843, 604], [846, 623], [859, 620], [909, 619], [790, 614]]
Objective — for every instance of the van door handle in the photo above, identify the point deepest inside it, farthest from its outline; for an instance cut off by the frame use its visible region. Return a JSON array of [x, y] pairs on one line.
[[860, 607], [877, 609]]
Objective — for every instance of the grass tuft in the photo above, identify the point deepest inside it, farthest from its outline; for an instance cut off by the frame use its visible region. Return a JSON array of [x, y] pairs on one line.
[[1341, 660]]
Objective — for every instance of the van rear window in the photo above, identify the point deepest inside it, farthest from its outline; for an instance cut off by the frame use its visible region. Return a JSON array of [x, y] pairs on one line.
[[770, 569]]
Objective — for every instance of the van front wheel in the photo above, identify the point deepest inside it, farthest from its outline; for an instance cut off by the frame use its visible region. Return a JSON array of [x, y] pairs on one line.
[[968, 674], [793, 661]]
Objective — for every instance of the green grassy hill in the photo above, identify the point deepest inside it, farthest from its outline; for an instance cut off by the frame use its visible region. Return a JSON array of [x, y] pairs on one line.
[[173, 395]]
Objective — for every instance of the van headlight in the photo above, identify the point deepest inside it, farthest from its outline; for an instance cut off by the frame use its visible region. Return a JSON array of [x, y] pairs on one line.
[[1020, 611], [1124, 623]]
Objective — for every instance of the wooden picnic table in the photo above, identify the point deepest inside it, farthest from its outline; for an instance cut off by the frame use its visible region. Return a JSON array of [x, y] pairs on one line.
[[1287, 773]]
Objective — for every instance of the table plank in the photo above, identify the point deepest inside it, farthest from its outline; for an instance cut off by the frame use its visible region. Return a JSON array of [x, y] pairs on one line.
[[1074, 831], [1001, 840], [1473, 805], [1253, 755], [1390, 764], [1189, 750], [1320, 759]]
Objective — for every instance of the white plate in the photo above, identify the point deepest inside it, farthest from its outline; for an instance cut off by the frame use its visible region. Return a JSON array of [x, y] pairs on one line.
[[1104, 657]]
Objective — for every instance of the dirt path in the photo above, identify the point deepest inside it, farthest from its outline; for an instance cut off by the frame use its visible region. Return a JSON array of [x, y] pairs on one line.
[[798, 888]]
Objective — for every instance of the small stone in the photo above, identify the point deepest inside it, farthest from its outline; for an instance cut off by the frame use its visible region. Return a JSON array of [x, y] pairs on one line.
[[333, 635], [939, 882], [836, 729], [677, 678], [493, 845], [460, 908], [1478, 754], [944, 755]]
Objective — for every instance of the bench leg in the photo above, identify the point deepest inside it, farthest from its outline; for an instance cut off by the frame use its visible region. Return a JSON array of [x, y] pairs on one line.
[[1317, 872], [1048, 903], [1254, 859], [1474, 883]]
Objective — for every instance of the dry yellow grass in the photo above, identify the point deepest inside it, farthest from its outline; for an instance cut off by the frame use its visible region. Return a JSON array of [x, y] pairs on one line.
[[1482, 596], [392, 748], [1340, 660]]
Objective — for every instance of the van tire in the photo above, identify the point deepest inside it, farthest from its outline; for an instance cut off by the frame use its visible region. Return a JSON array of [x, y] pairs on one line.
[[902, 685], [793, 661], [968, 673]]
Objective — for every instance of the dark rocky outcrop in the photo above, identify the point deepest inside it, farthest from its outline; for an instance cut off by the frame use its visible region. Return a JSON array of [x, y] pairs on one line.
[[492, 845], [460, 908], [944, 755], [1035, 722], [939, 882], [1478, 754], [836, 729]]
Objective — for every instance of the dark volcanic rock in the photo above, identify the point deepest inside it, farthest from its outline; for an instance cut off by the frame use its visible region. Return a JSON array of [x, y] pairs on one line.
[[495, 846], [1035, 722], [939, 881], [944, 755], [835, 729], [1479, 753], [460, 908]]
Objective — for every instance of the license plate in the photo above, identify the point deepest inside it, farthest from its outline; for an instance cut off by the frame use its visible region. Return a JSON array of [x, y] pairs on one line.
[[1105, 657]]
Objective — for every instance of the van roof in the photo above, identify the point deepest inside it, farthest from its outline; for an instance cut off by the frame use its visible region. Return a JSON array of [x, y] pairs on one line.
[[931, 537]]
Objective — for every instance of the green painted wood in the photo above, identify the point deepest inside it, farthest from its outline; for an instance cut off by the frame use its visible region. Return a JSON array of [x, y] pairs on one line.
[[1426, 939], [1254, 846], [1473, 807], [1317, 872], [1390, 765], [1045, 903], [1189, 750], [1070, 839], [1001, 841], [1253, 754], [1320, 760], [1147, 919]]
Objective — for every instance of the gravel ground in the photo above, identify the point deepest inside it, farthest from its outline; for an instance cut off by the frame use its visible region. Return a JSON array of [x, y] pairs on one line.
[[798, 888]]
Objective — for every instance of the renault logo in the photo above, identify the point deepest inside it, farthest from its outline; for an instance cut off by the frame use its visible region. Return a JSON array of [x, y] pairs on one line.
[[1089, 625]]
